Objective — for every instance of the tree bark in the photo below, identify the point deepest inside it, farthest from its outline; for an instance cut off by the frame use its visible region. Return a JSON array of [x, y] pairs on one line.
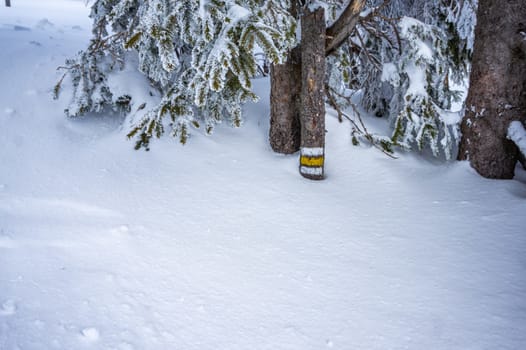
[[284, 134], [340, 30], [497, 92], [285, 89], [312, 115]]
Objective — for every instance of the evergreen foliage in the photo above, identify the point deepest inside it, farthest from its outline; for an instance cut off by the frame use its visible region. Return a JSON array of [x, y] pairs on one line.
[[408, 56], [200, 54], [403, 58]]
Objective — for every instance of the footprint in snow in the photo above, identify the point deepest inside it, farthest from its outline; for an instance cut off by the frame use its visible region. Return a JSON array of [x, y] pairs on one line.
[[8, 308], [44, 23], [90, 334], [18, 28]]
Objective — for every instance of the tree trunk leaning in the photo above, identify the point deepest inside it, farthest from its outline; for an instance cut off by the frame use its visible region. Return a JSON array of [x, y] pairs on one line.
[[342, 28], [285, 89], [312, 111], [497, 92]]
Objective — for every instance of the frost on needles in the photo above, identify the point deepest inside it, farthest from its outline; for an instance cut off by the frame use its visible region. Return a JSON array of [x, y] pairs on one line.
[[199, 54], [407, 64], [403, 58]]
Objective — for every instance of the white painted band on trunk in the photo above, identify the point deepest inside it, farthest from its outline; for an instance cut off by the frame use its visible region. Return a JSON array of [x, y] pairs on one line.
[[312, 151], [311, 171]]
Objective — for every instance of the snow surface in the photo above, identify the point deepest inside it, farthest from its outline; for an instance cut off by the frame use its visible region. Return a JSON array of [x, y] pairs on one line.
[[221, 244], [517, 133]]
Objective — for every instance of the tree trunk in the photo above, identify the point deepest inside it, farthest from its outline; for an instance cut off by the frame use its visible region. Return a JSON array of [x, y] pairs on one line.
[[497, 92], [8, 3], [312, 112], [285, 89], [285, 102]]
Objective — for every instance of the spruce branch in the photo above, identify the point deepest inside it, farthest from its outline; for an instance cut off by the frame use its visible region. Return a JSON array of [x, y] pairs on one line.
[[357, 128]]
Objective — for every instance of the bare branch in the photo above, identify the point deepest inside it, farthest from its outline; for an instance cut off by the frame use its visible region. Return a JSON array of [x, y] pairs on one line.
[[356, 129], [340, 30]]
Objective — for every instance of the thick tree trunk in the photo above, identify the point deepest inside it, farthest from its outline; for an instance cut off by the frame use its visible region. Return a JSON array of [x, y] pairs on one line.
[[312, 112], [285, 89], [497, 92]]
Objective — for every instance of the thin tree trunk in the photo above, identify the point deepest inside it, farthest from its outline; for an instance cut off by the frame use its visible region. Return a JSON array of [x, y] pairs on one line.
[[497, 92], [312, 115], [285, 89]]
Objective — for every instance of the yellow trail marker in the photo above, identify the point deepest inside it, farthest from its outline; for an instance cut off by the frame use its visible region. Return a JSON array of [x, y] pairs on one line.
[[310, 161]]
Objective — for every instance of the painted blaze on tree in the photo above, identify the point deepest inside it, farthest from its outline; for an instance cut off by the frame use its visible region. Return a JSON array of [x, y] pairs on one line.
[[298, 87], [312, 111], [406, 65]]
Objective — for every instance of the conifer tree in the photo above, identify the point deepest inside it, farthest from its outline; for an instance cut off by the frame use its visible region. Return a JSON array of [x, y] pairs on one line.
[[408, 61], [200, 54], [402, 56]]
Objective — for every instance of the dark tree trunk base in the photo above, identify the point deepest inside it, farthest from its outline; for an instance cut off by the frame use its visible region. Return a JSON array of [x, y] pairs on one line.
[[497, 92], [285, 89]]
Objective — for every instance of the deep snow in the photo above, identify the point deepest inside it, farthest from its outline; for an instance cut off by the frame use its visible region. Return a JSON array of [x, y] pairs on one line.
[[220, 244]]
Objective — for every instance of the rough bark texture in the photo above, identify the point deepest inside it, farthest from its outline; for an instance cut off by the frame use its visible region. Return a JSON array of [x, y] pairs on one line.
[[312, 112], [340, 30], [284, 135], [285, 89], [497, 93]]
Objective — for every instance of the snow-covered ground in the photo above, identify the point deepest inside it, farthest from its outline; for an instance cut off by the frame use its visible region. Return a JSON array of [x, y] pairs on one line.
[[220, 244]]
